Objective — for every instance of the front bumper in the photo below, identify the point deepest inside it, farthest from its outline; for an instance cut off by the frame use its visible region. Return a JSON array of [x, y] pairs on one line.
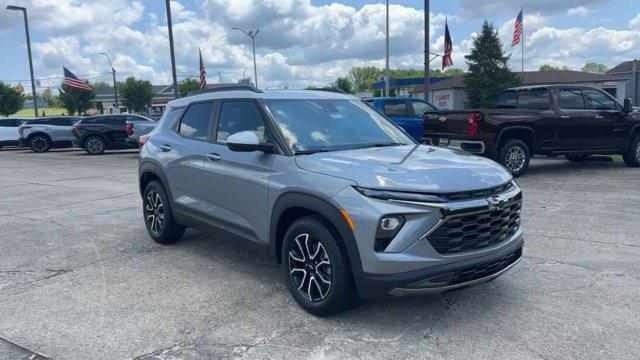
[[470, 146]]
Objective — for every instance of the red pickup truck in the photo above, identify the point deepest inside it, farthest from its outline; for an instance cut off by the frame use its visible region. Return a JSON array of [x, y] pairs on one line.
[[575, 121]]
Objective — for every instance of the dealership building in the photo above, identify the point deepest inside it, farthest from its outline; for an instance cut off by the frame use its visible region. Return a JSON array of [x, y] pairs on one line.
[[623, 81]]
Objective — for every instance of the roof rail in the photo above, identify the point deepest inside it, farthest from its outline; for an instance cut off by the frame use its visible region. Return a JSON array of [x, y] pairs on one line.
[[225, 88]]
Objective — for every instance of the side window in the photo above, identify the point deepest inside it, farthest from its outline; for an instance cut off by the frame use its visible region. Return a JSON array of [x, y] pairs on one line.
[[508, 100], [72, 121], [195, 122], [571, 99], [7, 123], [59, 122], [395, 108], [237, 116], [599, 101], [534, 99], [419, 108]]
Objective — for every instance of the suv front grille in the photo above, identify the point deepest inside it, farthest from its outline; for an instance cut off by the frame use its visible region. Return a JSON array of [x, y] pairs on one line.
[[474, 231], [484, 270], [478, 194]]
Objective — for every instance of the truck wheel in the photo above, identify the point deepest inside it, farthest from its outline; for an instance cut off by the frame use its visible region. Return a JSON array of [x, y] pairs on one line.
[[632, 155], [514, 155], [316, 268]]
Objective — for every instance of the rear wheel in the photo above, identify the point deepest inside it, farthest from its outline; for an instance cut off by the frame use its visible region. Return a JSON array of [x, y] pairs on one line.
[[158, 217], [316, 268], [515, 156], [94, 145], [632, 155], [40, 143]]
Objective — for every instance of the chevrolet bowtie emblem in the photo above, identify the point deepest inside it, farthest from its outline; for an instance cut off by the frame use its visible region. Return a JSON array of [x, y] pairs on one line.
[[442, 119]]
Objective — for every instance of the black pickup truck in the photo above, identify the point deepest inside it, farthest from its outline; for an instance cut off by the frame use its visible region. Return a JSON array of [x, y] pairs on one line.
[[575, 121]]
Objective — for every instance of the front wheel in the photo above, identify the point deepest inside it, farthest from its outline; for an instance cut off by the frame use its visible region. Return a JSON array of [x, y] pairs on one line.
[[316, 268], [632, 155], [40, 144], [515, 156], [94, 145]]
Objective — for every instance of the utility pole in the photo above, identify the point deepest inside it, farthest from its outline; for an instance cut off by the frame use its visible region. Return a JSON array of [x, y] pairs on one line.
[[427, 23], [26, 28], [173, 55], [386, 70], [252, 34], [115, 86]]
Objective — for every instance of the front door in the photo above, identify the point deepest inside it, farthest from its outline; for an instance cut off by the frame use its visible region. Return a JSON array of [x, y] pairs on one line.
[[610, 121], [417, 110], [401, 114], [577, 125], [237, 183]]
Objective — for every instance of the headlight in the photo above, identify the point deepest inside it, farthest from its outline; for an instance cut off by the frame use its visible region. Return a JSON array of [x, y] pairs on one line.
[[401, 196]]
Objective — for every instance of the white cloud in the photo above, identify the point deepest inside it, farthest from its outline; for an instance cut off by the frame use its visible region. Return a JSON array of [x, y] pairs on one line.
[[635, 22], [474, 8], [579, 11]]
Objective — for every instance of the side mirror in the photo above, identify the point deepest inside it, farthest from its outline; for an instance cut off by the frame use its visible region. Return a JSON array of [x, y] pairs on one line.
[[628, 106], [247, 141]]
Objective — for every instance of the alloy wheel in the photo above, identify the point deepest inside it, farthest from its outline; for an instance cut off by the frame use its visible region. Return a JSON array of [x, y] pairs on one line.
[[154, 212], [95, 145], [515, 158], [39, 144], [310, 268], [638, 151]]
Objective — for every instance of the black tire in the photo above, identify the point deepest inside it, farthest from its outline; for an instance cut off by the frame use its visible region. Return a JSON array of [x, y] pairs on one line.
[[159, 221], [95, 145], [40, 143], [576, 157], [515, 156], [341, 293], [631, 155]]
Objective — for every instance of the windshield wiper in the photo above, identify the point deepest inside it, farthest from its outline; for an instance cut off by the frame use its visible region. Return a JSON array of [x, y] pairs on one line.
[[379, 145], [311, 151]]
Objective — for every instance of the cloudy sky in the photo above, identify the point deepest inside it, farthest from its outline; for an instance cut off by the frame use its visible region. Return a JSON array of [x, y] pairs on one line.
[[301, 42]]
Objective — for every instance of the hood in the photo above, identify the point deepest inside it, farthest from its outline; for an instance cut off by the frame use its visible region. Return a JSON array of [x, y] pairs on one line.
[[409, 168]]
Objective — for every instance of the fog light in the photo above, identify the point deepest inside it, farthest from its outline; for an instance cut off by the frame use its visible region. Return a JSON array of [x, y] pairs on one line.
[[389, 223]]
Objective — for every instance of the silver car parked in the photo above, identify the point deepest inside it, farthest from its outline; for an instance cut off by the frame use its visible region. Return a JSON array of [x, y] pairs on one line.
[[137, 126], [348, 203], [43, 134]]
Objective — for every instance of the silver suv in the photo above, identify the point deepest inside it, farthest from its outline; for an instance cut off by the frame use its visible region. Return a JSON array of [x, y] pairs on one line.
[[42, 134], [348, 203]]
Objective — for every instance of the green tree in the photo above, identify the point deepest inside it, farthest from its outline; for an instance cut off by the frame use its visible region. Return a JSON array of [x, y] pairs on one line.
[[98, 84], [595, 68], [188, 85], [136, 93], [454, 72], [488, 71], [343, 84], [547, 67], [48, 97], [362, 78], [11, 100], [76, 101]]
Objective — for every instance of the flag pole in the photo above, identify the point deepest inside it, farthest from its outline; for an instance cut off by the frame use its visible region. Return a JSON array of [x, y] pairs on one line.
[[522, 40]]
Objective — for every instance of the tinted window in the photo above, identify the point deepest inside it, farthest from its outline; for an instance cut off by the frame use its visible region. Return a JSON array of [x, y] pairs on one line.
[[534, 99], [39, 121], [237, 116], [138, 119], [195, 122], [419, 108], [599, 101], [171, 115], [395, 108], [570, 99], [8, 123], [508, 100], [59, 122]]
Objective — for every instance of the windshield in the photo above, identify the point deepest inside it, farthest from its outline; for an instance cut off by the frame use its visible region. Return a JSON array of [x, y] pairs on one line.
[[312, 125]]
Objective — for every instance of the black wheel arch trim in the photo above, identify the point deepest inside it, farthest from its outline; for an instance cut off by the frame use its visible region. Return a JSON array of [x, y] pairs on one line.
[[325, 209], [32, 135], [152, 167], [634, 130], [510, 128]]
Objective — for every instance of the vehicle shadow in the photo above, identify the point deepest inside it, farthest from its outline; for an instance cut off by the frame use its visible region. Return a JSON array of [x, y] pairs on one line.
[[559, 165]]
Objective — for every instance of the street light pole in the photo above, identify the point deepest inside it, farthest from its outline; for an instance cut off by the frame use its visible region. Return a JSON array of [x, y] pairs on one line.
[[427, 22], [173, 56], [113, 71], [252, 34], [26, 28], [386, 70]]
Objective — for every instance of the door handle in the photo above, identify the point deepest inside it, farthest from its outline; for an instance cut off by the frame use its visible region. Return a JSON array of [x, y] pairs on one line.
[[565, 117], [165, 148], [213, 157], [598, 117]]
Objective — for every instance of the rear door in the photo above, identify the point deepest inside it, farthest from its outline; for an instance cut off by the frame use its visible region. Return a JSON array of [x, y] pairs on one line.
[[401, 114], [183, 150], [60, 129], [116, 131], [577, 125], [236, 183], [608, 118]]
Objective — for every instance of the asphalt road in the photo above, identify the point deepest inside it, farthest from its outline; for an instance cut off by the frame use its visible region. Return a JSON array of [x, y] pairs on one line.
[[80, 278]]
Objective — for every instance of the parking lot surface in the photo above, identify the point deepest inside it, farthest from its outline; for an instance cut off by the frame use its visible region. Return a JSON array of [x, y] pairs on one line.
[[80, 278]]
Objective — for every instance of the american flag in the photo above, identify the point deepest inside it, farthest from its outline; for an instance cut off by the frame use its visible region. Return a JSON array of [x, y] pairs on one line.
[[448, 47], [518, 29], [203, 73], [72, 81]]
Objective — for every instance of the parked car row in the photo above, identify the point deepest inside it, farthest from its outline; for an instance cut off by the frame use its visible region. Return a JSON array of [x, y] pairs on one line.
[[95, 134]]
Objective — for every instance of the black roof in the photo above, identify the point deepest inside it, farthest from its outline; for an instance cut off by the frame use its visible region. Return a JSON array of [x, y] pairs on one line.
[[624, 67]]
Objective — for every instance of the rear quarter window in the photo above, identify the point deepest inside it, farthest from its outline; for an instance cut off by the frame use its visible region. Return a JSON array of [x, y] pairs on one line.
[[525, 99]]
